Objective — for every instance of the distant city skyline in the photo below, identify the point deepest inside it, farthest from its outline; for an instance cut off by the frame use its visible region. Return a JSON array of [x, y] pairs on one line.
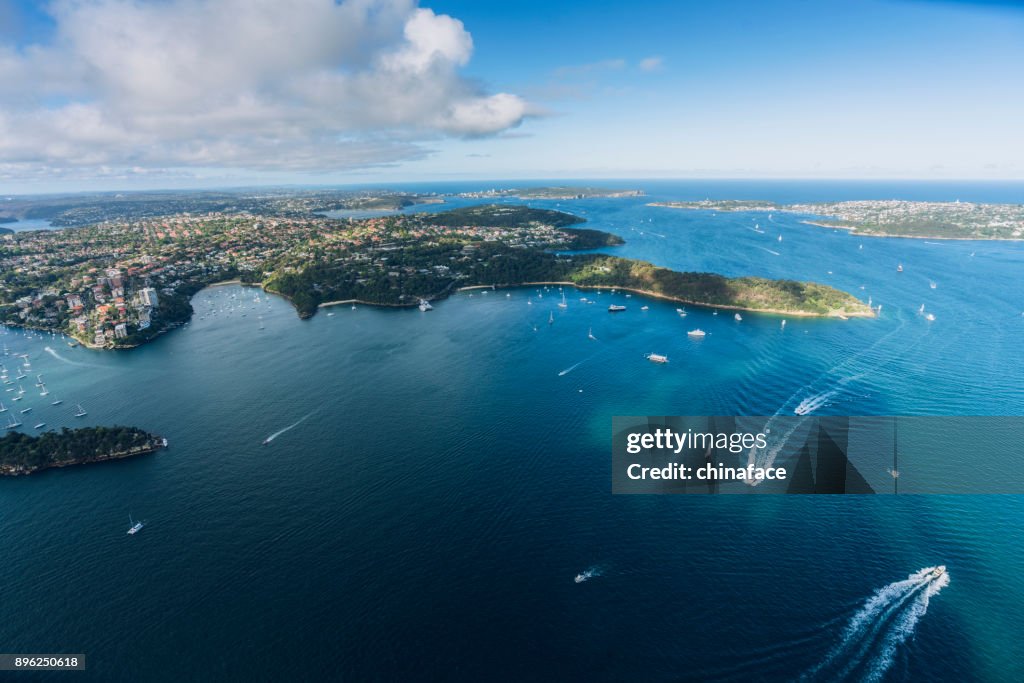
[[116, 94]]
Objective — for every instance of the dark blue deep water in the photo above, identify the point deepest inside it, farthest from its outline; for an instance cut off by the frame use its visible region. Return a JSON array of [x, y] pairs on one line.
[[444, 485]]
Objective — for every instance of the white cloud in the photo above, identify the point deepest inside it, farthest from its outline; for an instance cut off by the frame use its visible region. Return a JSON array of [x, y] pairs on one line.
[[308, 85], [651, 63]]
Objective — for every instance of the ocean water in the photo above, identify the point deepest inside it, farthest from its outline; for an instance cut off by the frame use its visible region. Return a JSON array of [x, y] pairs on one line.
[[437, 480]]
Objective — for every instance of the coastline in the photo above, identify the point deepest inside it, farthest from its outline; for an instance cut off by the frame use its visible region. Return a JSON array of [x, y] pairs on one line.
[[155, 445], [700, 304], [854, 231], [839, 315]]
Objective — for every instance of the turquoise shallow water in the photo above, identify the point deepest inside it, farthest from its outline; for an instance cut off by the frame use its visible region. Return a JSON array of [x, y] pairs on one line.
[[427, 516]]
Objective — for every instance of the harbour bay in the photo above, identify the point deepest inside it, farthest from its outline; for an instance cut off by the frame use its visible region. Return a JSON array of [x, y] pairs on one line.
[[448, 478]]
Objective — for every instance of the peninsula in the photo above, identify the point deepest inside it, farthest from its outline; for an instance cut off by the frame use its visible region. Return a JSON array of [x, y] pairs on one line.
[[892, 217], [24, 454], [556, 193], [120, 284]]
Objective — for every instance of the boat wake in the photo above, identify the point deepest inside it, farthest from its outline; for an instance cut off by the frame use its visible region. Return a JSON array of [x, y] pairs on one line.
[[62, 359], [821, 397], [288, 428], [587, 574], [868, 645], [812, 403], [775, 253], [571, 368]]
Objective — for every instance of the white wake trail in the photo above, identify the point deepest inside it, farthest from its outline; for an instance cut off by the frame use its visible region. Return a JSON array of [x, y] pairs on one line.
[[868, 645], [289, 427]]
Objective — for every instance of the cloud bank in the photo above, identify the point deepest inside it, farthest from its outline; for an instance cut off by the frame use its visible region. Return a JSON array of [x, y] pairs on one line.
[[262, 85]]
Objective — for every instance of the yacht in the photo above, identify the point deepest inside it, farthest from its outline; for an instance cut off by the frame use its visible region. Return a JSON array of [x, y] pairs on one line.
[[656, 358], [27, 410], [930, 317], [645, 308], [551, 318], [615, 308], [81, 411], [425, 305], [697, 333], [44, 391], [3, 408], [921, 310], [562, 303], [12, 423], [681, 312], [40, 425], [135, 527], [590, 335], [937, 572], [39, 380], [738, 317], [931, 283], [57, 402]]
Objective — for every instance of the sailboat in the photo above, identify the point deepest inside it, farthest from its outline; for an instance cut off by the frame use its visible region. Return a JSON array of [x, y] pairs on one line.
[[921, 310], [738, 317], [12, 423], [551, 318], [931, 283], [3, 408], [134, 527], [780, 238], [899, 268], [81, 411], [563, 304], [590, 335]]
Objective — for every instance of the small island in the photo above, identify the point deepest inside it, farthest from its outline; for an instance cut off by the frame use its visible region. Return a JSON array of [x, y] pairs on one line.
[[891, 217], [23, 454]]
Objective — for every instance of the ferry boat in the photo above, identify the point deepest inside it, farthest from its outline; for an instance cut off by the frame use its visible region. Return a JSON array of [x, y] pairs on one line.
[[657, 358], [738, 317], [425, 305], [697, 333], [81, 411], [135, 527], [615, 308]]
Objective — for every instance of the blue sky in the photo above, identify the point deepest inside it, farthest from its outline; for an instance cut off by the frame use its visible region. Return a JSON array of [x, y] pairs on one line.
[[103, 93]]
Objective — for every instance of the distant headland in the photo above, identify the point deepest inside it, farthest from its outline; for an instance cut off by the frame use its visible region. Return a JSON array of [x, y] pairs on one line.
[[891, 217]]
